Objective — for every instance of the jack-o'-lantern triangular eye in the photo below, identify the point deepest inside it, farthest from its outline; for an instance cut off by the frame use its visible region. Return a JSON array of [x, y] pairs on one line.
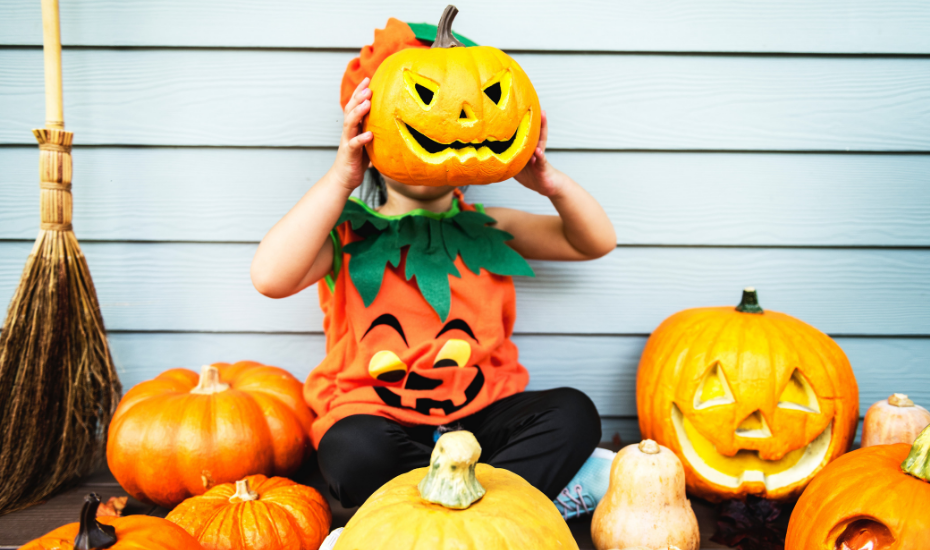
[[498, 88], [799, 395], [714, 389], [421, 88]]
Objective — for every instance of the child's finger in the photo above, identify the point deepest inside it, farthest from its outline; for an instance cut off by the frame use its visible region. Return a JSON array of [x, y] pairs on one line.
[[354, 118], [543, 130], [540, 157], [354, 98], [359, 141], [357, 98]]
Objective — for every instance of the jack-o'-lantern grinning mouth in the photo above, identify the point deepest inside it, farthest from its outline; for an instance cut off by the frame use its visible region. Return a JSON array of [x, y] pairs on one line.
[[746, 466], [434, 152]]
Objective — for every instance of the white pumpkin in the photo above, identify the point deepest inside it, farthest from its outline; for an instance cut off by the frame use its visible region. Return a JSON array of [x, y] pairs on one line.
[[645, 505]]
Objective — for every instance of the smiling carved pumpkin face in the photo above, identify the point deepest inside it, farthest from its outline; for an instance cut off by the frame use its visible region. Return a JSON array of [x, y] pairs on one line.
[[451, 115], [752, 402]]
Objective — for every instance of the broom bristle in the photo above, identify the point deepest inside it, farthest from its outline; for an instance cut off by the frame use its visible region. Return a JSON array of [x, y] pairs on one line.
[[58, 385]]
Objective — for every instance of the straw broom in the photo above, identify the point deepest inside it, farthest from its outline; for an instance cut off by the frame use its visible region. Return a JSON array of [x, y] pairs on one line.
[[58, 387]]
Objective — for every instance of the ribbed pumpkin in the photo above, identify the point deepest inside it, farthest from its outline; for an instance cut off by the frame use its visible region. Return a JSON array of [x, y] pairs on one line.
[[178, 435], [256, 513], [456, 504], [751, 401], [876, 498], [125, 533], [451, 114]]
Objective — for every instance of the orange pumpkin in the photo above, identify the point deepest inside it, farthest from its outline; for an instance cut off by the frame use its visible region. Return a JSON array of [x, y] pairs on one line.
[[873, 498], [751, 401], [178, 435], [125, 533], [257, 513], [451, 115]]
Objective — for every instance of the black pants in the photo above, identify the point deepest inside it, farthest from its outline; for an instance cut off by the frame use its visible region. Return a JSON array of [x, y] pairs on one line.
[[543, 436]]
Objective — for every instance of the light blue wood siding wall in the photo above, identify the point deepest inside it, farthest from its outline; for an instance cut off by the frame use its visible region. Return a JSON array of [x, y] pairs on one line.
[[777, 144]]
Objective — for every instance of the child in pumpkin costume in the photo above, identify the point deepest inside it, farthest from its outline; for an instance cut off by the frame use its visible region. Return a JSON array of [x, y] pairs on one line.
[[419, 310]]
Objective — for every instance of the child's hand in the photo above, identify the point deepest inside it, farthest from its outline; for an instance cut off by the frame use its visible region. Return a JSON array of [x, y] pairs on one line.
[[351, 159], [538, 174]]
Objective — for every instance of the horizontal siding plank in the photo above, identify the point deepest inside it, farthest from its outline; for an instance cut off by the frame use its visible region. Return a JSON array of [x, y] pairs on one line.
[[216, 194], [604, 367], [826, 26], [171, 286], [665, 102]]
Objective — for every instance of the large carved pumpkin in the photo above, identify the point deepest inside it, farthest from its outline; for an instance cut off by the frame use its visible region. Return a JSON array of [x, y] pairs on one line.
[[456, 504], [451, 115], [177, 435], [876, 498], [115, 533], [752, 401], [256, 513]]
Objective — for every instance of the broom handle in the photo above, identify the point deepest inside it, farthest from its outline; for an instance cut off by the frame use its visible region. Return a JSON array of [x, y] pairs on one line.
[[51, 45]]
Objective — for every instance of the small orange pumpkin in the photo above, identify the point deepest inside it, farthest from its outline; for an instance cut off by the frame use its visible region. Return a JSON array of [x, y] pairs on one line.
[[177, 435], [751, 401], [125, 533], [893, 420], [451, 115], [257, 513], [873, 498]]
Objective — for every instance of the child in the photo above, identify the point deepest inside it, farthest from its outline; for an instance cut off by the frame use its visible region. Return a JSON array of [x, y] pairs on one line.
[[399, 313]]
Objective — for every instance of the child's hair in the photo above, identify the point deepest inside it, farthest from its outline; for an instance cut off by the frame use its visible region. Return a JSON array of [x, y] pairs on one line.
[[374, 191]]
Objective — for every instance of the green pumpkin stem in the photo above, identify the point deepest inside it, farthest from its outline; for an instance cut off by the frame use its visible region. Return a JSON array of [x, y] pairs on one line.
[[451, 480], [93, 535], [444, 37], [750, 301], [917, 462]]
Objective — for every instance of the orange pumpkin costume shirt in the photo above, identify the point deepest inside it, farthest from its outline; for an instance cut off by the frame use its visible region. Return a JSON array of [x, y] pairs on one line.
[[429, 347]]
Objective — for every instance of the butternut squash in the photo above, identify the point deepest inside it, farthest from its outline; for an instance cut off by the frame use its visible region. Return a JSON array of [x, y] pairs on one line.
[[645, 505]]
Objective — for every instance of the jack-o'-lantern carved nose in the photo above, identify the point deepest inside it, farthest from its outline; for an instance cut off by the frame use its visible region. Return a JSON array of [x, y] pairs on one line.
[[454, 353], [754, 426], [467, 115]]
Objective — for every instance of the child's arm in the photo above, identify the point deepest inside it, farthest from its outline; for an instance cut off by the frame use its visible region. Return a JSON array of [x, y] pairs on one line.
[[581, 231], [297, 252]]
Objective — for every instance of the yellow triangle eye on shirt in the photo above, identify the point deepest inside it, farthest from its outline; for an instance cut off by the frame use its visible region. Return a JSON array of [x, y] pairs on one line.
[[454, 353]]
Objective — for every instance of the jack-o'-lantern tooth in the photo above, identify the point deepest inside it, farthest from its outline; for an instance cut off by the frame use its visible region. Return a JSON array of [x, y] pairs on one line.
[[714, 389], [386, 366], [754, 426], [454, 353], [799, 395]]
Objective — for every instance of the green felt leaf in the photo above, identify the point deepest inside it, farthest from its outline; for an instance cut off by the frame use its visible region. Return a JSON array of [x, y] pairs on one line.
[[433, 242]]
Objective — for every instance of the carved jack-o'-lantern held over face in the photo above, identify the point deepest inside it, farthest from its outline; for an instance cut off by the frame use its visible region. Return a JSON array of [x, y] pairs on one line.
[[451, 114], [752, 401]]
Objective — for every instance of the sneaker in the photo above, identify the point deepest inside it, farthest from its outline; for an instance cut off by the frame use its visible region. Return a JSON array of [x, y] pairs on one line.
[[588, 486]]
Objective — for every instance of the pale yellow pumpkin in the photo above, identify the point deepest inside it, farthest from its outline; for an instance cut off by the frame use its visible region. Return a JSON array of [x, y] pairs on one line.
[[456, 504], [893, 420]]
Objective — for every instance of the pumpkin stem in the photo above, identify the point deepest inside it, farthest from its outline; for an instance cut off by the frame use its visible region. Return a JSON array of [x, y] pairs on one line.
[[209, 382], [93, 535], [900, 400], [917, 462], [444, 37], [649, 447], [243, 492], [750, 301], [451, 480]]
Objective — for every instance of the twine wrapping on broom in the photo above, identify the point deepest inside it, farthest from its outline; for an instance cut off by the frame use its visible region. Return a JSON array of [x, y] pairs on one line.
[[58, 386]]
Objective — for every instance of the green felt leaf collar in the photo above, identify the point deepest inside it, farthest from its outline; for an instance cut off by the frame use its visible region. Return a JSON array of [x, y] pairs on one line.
[[433, 242]]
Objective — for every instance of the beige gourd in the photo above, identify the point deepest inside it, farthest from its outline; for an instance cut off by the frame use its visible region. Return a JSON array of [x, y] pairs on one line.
[[893, 420], [645, 505]]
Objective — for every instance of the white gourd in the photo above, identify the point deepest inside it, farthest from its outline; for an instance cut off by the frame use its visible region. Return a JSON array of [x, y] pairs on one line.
[[894, 420], [645, 506]]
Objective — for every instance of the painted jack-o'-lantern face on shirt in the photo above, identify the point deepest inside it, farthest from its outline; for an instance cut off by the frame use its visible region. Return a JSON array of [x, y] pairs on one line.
[[752, 402], [427, 347]]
